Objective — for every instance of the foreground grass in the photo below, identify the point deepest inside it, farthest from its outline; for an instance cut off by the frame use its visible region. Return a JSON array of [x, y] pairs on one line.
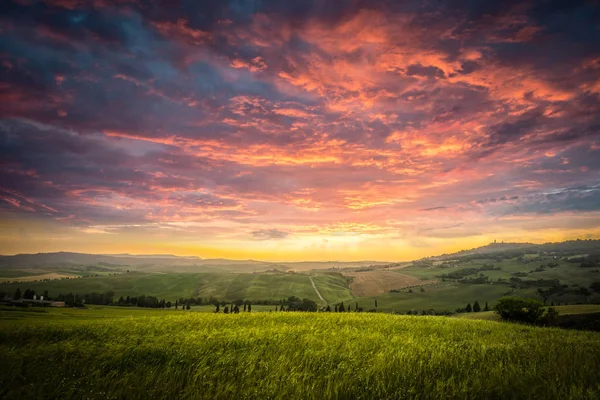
[[294, 356]]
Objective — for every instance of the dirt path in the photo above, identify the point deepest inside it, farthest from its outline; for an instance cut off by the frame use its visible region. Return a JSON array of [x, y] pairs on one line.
[[315, 287]]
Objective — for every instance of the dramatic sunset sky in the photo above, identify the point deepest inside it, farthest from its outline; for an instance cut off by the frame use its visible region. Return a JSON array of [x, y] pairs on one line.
[[297, 130]]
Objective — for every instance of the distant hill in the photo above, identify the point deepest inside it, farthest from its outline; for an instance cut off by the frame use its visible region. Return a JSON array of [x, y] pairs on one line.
[[569, 246], [161, 262]]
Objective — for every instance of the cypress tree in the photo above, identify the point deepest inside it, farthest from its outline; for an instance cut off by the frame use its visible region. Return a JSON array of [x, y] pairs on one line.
[[249, 307], [341, 308], [17, 294], [468, 308], [487, 308], [476, 306]]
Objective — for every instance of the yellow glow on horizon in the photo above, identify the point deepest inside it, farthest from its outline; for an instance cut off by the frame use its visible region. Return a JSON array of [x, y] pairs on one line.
[[327, 244]]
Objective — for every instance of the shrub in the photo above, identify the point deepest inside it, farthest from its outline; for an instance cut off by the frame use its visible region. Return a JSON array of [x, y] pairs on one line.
[[525, 310]]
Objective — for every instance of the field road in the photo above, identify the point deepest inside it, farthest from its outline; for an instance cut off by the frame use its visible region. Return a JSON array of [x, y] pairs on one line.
[[315, 287]]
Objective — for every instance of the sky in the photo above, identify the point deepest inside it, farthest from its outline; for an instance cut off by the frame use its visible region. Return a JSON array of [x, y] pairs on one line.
[[299, 129]]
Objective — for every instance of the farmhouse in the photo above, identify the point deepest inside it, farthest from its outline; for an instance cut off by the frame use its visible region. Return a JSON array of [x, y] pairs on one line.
[[38, 303]]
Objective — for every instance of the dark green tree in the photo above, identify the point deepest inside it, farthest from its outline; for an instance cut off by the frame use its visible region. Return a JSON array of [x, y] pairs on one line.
[[525, 310], [217, 309], [476, 306], [468, 308], [226, 310], [336, 308], [245, 306], [176, 304], [328, 309], [187, 306], [356, 306], [486, 308], [375, 303], [341, 307], [17, 294], [249, 307]]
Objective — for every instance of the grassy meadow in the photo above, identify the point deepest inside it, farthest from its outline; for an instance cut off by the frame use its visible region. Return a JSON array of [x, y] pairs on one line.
[[112, 353]]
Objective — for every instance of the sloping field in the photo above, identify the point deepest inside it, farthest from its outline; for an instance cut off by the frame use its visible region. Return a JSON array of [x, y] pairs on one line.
[[39, 277], [373, 283], [168, 286], [259, 286]]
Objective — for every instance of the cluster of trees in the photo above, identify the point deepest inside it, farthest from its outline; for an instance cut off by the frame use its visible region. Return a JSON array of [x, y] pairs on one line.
[[464, 272], [340, 307], [28, 294], [519, 283], [234, 308], [294, 303], [476, 307], [532, 311], [141, 301]]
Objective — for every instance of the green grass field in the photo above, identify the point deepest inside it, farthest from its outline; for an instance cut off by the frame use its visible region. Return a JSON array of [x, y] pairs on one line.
[[225, 286], [157, 354]]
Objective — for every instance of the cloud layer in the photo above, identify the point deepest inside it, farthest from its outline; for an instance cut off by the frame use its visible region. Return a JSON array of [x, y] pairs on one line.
[[298, 129]]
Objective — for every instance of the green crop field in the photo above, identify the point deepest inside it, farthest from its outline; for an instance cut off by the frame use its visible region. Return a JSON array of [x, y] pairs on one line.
[[225, 286], [169, 286], [156, 354]]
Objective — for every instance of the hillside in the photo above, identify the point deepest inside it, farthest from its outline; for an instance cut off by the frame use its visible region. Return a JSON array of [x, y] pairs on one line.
[[569, 247]]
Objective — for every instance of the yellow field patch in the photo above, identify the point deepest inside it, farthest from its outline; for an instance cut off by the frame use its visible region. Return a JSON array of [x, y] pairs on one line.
[[373, 283], [32, 278]]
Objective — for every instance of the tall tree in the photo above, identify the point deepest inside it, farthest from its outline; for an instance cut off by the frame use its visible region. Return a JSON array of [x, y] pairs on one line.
[[176, 304], [17, 294], [249, 307], [245, 306], [341, 307], [476, 306], [356, 306], [375, 303], [217, 310], [468, 308], [328, 309], [486, 308]]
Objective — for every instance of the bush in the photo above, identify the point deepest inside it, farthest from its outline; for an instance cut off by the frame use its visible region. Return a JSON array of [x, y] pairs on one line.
[[530, 311]]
